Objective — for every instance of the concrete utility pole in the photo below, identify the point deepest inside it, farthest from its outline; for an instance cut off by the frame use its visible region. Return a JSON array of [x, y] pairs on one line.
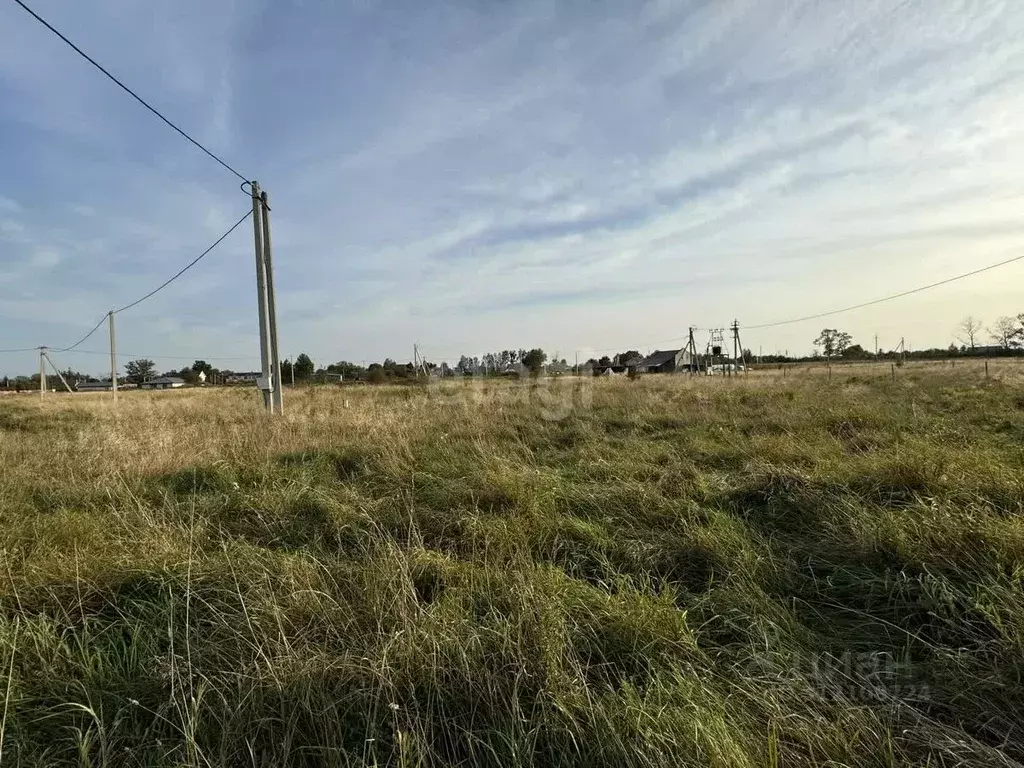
[[59, 374], [268, 262], [737, 347], [266, 381], [691, 348], [42, 372], [113, 356]]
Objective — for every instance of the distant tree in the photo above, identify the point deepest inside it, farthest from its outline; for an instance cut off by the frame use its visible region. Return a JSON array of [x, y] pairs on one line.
[[138, 371], [625, 357], [466, 365], [201, 366], [604, 362], [855, 352], [303, 367], [347, 370], [375, 373], [832, 342], [534, 360], [968, 331], [286, 371], [1006, 332]]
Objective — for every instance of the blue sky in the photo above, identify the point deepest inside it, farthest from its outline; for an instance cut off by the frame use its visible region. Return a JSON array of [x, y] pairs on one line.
[[475, 176]]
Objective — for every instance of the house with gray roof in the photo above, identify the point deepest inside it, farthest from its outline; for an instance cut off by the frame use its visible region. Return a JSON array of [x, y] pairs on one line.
[[665, 361]]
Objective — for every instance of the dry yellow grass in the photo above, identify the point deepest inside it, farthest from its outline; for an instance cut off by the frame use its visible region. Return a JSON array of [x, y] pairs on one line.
[[772, 569]]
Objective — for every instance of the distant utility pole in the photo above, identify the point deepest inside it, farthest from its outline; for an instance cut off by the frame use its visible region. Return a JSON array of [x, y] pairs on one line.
[[737, 346], [418, 363], [876, 346], [56, 371], [113, 356], [269, 383], [691, 348]]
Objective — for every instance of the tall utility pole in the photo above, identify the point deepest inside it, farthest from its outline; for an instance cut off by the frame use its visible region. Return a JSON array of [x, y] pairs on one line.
[[268, 264], [42, 372], [113, 356], [266, 382]]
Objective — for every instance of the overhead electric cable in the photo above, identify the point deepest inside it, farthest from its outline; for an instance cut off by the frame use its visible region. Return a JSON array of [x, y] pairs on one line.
[[187, 267], [126, 89], [899, 295]]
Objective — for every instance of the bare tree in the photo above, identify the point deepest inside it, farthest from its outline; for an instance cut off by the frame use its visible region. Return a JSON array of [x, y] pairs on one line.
[[1006, 332], [969, 329]]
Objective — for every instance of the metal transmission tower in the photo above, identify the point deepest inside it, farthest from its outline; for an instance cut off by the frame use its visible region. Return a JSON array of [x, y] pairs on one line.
[[715, 345], [270, 384]]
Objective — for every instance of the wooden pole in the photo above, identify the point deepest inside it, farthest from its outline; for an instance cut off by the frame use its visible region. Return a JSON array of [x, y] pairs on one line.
[[42, 373]]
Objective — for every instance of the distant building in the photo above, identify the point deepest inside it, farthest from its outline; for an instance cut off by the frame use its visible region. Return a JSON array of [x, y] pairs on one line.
[[94, 386], [248, 377], [665, 361], [164, 382]]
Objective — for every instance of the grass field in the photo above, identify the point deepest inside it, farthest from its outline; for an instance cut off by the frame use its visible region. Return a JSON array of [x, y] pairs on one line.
[[759, 571]]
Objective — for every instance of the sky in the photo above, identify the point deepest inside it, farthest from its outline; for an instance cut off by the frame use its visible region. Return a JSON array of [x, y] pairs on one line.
[[580, 176]]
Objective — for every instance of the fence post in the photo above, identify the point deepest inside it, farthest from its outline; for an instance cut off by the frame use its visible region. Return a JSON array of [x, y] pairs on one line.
[[893, 366], [986, 369]]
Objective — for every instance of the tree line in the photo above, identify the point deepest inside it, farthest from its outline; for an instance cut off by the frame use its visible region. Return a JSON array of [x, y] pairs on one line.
[[1005, 334]]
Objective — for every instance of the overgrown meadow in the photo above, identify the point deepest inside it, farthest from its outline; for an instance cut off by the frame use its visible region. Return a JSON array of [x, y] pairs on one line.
[[775, 569]]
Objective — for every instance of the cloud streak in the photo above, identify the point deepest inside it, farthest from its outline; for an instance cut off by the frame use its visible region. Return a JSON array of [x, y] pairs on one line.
[[472, 177]]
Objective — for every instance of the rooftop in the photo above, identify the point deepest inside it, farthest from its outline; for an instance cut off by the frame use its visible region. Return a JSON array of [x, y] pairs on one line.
[[659, 357]]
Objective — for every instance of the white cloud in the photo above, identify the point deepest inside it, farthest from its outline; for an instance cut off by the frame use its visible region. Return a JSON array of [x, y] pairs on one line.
[[45, 258], [523, 173]]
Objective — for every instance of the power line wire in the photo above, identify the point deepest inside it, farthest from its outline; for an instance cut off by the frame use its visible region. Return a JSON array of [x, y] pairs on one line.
[[831, 312], [159, 357], [23, 349], [187, 267], [160, 287], [90, 333], [125, 88], [888, 298]]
